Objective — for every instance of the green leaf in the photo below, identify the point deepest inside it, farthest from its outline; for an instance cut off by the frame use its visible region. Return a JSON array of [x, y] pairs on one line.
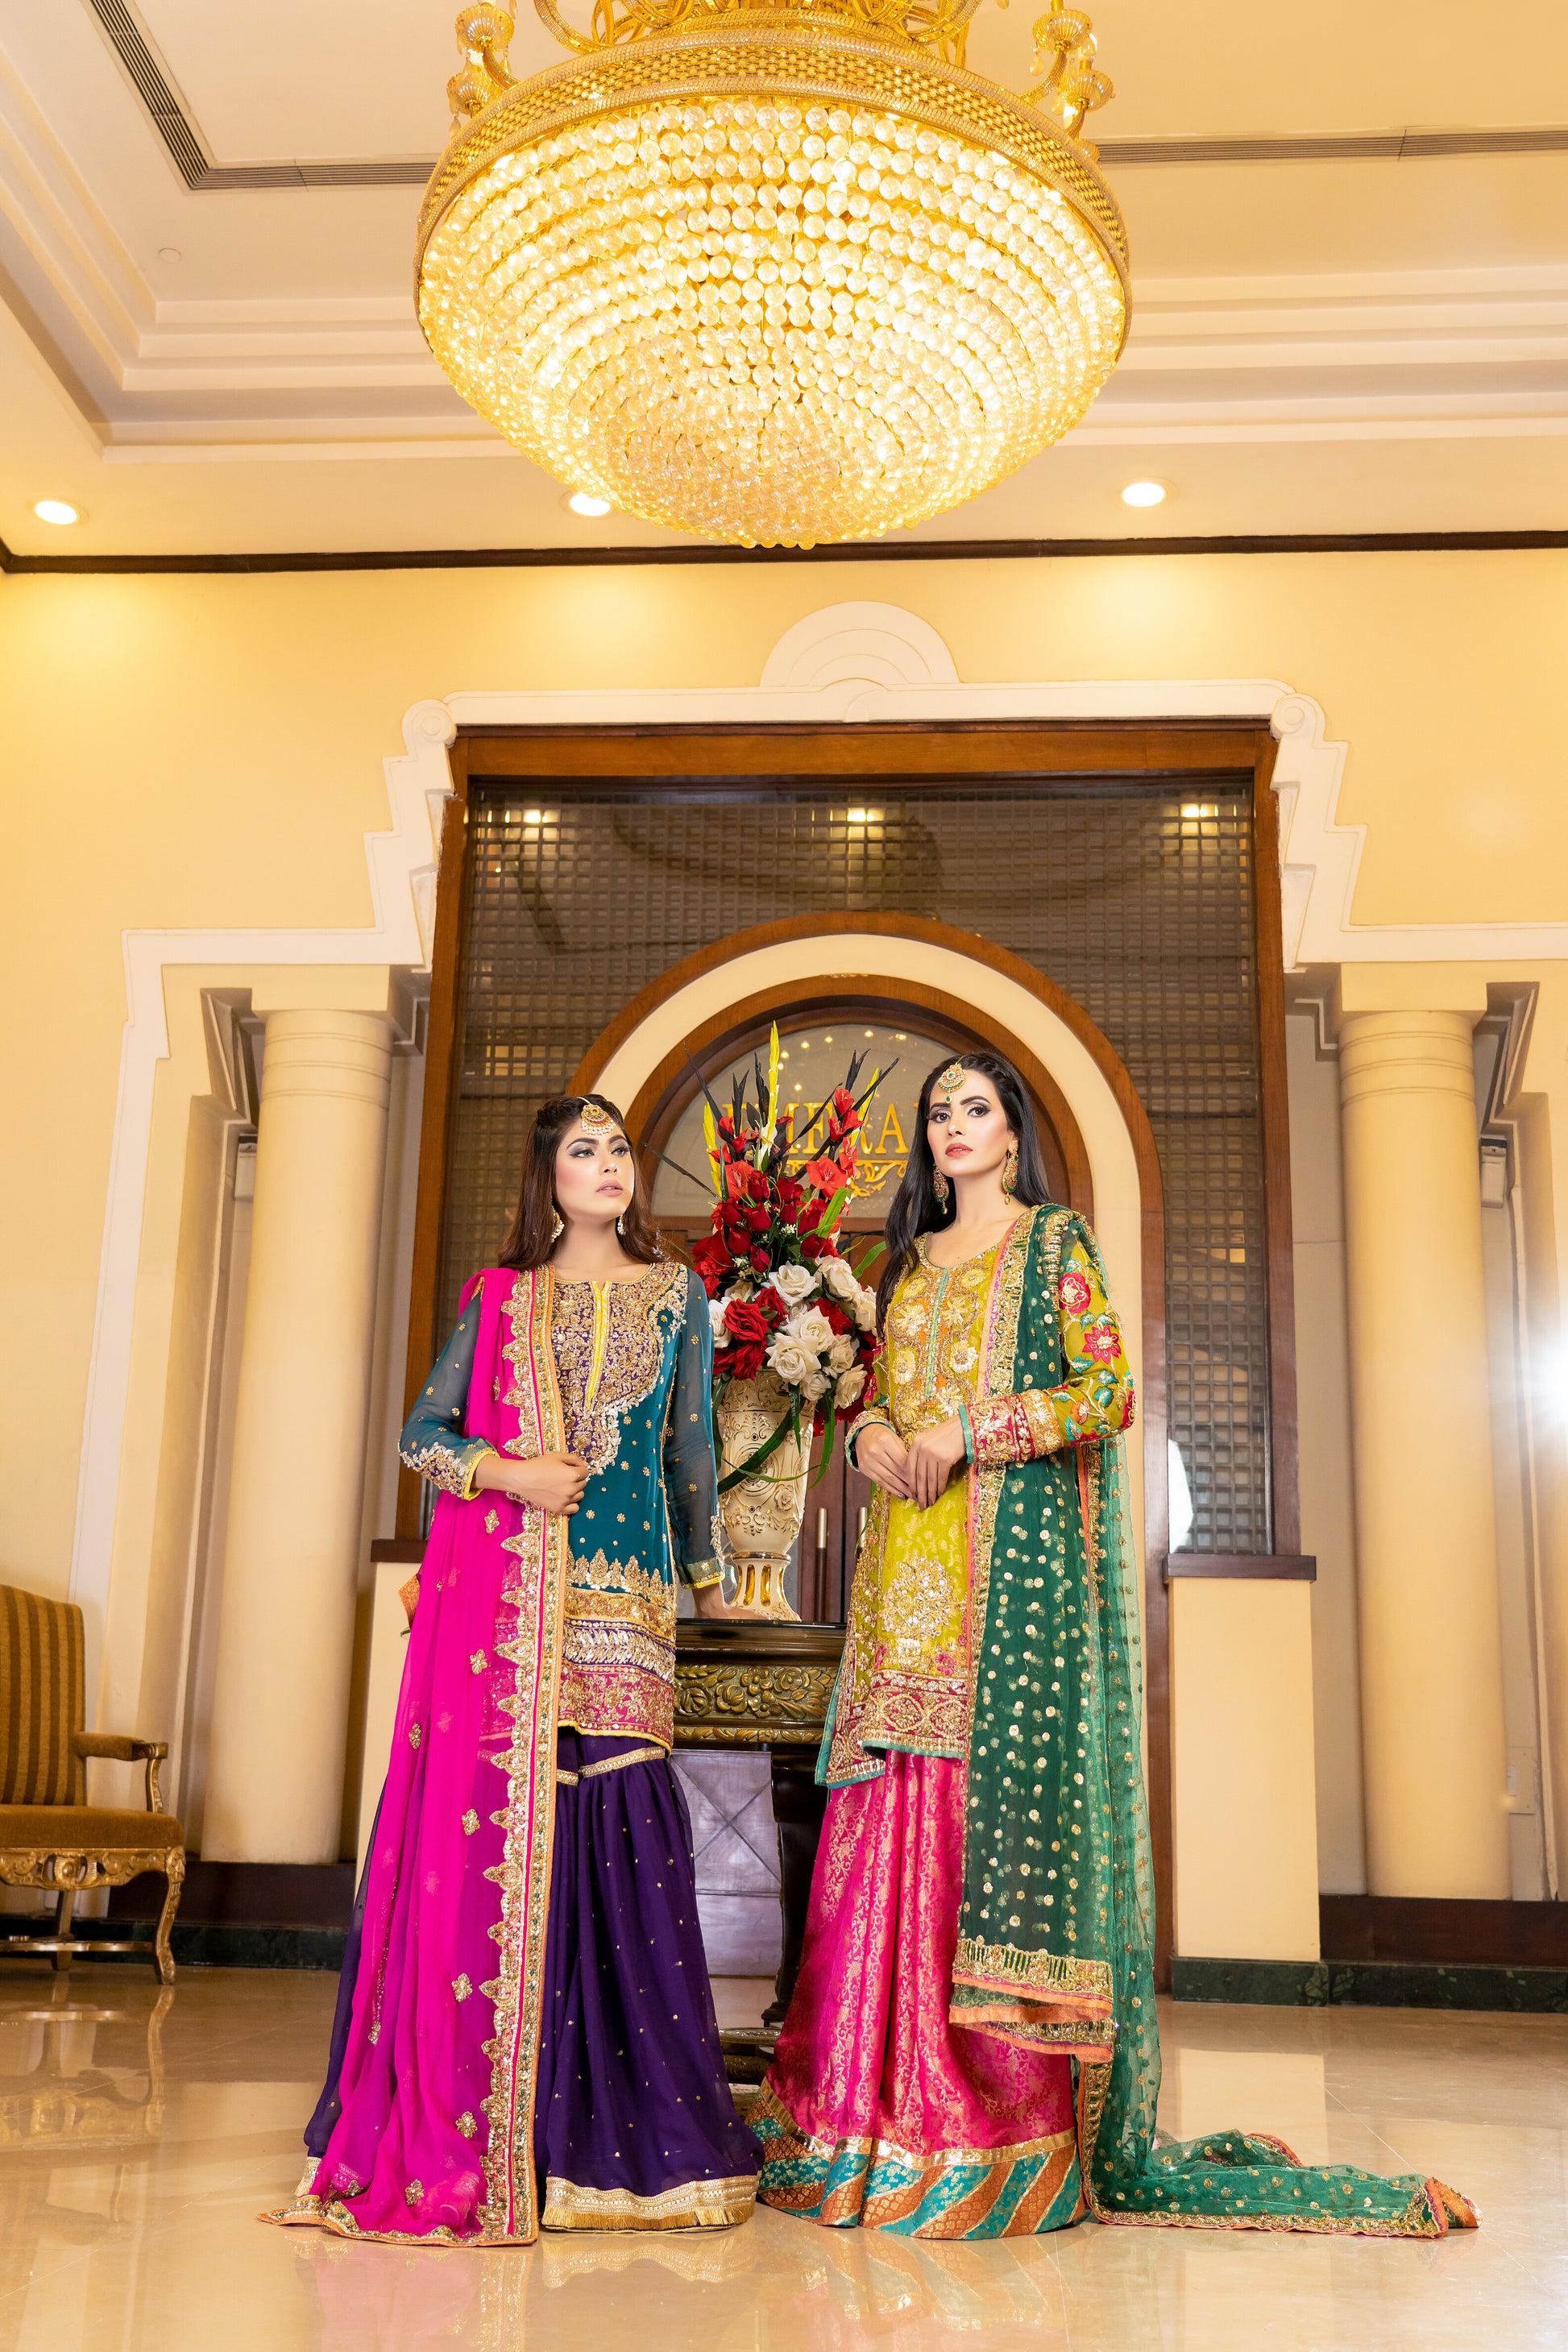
[[827, 1429], [789, 1426]]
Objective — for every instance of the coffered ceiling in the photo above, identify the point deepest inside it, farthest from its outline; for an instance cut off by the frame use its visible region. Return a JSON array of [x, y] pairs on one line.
[[1350, 250]]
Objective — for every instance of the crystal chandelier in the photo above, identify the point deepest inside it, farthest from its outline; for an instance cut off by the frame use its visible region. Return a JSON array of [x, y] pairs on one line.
[[776, 275]]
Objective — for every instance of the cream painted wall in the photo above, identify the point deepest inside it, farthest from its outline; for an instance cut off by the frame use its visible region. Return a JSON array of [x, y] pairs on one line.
[[1241, 1778], [207, 752]]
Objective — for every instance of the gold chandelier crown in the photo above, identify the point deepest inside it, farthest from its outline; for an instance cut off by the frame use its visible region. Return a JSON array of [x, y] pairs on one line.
[[774, 274]]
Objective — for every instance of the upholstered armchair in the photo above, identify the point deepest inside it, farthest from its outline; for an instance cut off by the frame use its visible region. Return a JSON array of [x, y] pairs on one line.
[[50, 1838]]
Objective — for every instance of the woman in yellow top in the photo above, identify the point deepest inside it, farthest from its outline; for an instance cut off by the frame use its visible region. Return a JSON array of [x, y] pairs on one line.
[[972, 2048]]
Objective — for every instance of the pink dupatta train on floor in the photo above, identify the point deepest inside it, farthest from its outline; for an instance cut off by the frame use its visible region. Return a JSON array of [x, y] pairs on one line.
[[435, 2142]]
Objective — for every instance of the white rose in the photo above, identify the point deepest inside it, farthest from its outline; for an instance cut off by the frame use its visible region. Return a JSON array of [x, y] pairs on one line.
[[814, 1385], [716, 1321], [838, 1275], [849, 1388], [793, 1361], [793, 1283], [811, 1327], [866, 1309], [841, 1355]]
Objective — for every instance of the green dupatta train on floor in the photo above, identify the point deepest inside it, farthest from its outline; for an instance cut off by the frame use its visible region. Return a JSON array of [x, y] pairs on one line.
[[1056, 1936]]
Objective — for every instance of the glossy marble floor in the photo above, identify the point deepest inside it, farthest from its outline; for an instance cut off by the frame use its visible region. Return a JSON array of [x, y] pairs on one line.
[[140, 2133]]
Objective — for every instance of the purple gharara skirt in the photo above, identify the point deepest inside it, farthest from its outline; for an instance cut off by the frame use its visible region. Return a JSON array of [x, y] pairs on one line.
[[633, 2125]]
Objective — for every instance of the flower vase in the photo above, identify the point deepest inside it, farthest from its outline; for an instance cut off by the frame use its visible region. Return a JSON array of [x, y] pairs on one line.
[[762, 1515]]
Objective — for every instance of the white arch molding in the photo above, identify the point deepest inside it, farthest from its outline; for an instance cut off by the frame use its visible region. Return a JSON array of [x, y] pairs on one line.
[[827, 957], [847, 663]]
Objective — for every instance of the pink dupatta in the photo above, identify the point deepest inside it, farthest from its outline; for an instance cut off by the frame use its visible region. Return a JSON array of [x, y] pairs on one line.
[[434, 2141]]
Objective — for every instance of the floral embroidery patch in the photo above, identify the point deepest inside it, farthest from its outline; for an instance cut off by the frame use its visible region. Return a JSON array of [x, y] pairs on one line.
[[1075, 1293], [467, 2125], [470, 1822], [415, 2192], [477, 1663], [414, 1734], [492, 1518], [462, 1987]]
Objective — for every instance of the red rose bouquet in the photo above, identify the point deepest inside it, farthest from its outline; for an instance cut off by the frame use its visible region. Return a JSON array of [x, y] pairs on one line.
[[783, 1296]]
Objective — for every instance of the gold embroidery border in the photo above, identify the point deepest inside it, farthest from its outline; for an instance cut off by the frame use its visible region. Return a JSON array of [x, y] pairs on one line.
[[768, 2105], [609, 1764], [695, 2205], [993, 1376], [1054, 1973], [516, 1989], [846, 1760]]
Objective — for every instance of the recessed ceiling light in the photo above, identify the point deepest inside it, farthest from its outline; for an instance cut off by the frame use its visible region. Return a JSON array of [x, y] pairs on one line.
[[55, 510], [170, 253], [583, 502], [1144, 494]]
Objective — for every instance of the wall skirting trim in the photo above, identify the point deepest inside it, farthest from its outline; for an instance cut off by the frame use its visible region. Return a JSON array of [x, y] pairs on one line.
[[1362, 1984]]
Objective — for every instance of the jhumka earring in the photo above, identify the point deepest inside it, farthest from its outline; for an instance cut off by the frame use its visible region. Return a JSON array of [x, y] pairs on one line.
[[1010, 1172], [620, 1225], [557, 1225], [941, 1187]]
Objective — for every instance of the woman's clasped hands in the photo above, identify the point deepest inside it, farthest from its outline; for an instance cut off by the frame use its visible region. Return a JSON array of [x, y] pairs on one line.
[[917, 1472], [549, 1482]]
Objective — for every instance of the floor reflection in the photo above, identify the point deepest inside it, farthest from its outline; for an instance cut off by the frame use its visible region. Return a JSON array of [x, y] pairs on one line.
[[144, 2130]]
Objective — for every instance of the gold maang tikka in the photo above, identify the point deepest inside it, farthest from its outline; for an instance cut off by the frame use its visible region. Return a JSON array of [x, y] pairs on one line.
[[596, 1119], [948, 1081]]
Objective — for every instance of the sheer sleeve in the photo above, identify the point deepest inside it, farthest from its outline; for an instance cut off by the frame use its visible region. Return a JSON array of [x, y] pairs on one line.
[[690, 1474], [1096, 1400], [432, 1440], [876, 1415]]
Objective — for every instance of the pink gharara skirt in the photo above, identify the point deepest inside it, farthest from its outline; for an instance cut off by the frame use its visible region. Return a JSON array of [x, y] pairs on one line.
[[878, 2112]]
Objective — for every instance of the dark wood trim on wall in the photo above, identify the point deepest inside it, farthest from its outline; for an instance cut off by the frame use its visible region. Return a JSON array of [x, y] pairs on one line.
[[1445, 1933], [436, 1123], [917, 751], [1250, 1567], [1285, 1501], [916, 550]]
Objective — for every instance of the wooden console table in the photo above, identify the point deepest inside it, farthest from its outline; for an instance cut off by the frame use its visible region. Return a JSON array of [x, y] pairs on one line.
[[762, 1686]]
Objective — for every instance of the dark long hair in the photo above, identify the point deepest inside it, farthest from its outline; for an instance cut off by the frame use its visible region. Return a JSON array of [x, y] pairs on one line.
[[533, 1235], [916, 1208]]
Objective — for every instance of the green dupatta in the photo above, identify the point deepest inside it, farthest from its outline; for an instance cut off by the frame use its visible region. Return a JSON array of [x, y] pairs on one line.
[[1056, 1938]]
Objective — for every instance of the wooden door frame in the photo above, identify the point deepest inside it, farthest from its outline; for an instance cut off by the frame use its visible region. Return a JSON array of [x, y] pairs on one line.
[[919, 754]]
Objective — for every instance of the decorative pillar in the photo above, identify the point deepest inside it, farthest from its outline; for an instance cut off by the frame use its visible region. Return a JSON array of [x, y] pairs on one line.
[[1432, 1697], [275, 1783]]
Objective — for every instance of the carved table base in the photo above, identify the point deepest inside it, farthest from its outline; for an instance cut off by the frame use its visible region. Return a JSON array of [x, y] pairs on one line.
[[765, 1686]]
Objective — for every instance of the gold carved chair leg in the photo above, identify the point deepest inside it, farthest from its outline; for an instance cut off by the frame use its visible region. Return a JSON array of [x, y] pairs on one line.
[[64, 1906], [172, 1891]]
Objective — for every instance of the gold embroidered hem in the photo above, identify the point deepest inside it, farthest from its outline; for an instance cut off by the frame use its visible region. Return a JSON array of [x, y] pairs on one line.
[[333, 2216], [695, 2205], [1048, 1975], [618, 1660], [1020, 2189], [609, 1764], [922, 1717]]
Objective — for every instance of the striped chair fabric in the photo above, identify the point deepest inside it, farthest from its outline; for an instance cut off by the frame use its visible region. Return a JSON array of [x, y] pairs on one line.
[[42, 1699]]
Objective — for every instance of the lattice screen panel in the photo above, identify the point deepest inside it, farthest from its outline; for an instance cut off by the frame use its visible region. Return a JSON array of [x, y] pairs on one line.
[[1135, 899]]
